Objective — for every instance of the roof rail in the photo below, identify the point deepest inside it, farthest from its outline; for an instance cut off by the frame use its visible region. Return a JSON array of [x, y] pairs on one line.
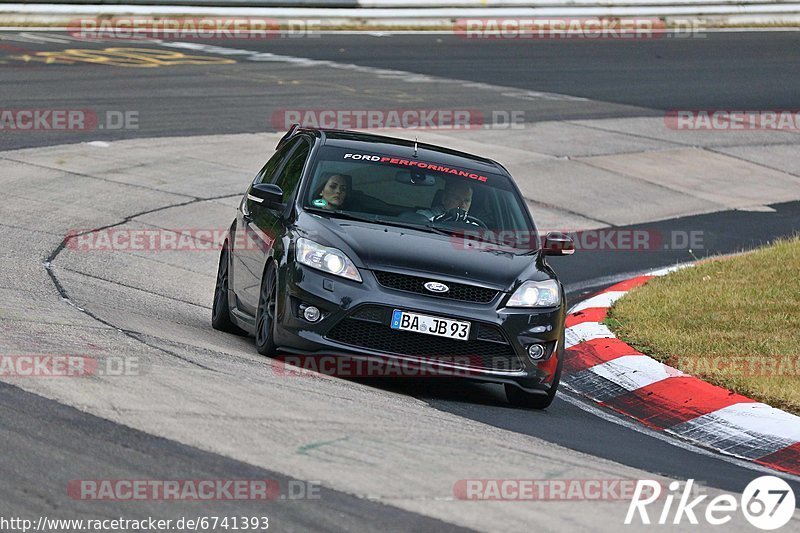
[[289, 134]]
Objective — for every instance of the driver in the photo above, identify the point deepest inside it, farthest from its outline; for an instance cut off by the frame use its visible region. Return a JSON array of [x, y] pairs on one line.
[[332, 194], [457, 194]]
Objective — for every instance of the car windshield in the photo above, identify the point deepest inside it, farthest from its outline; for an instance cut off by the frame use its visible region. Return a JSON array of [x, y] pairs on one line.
[[428, 195]]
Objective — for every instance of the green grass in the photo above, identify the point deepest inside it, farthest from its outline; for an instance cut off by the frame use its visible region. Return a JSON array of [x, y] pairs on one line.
[[733, 321]]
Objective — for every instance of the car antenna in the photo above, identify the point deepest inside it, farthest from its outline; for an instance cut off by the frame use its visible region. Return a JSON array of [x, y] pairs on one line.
[[415, 146]]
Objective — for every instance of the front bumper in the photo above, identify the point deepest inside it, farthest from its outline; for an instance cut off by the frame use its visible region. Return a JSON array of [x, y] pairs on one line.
[[356, 316]]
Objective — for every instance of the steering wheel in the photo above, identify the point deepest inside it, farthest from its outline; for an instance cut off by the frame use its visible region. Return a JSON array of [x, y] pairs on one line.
[[457, 214]]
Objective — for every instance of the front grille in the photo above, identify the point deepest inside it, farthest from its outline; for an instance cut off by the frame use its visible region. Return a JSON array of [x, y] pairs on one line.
[[458, 291], [494, 353]]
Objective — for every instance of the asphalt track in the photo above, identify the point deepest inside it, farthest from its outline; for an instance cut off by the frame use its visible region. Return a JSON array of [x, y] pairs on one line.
[[721, 71], [643, 78], [49, 444]]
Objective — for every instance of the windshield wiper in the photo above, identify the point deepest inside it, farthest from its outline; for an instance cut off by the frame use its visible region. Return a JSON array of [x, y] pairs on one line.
[[378, 220], [344, 214], [411, 225]]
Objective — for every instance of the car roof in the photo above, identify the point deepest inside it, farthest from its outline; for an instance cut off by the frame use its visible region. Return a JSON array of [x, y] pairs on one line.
[[393, 146]]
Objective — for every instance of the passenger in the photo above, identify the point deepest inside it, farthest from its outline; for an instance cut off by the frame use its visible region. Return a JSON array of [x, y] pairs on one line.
[[456, 194], [332, 195]]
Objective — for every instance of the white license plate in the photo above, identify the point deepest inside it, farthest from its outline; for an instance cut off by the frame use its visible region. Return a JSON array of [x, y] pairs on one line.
[[441, 327]]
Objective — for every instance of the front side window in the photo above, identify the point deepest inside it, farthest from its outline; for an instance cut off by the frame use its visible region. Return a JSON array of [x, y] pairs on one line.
[[289, 177], [268, 172]]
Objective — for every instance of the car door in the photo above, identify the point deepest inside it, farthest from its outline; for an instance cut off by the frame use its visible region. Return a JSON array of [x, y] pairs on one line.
[[261, 225], [243, 279]]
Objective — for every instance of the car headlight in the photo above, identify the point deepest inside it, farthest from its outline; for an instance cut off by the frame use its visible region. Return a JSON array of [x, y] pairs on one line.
[[536, 294], [330, 260]]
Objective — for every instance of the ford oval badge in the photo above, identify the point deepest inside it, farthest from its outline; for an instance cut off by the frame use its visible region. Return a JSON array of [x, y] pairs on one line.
[[435, 286]]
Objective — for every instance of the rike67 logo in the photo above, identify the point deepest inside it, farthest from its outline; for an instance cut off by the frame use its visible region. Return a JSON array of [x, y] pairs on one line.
[[767, 503]]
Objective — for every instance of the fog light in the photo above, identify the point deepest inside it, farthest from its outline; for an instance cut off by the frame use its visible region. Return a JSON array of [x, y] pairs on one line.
[[311, 313], [535, 351]]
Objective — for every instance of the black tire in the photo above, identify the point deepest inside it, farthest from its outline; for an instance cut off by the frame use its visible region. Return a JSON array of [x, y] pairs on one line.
[[265, 315], [520, 398], [220, 311]]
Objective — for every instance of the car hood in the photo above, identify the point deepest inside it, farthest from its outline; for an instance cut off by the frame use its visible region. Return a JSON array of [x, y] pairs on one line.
[[390, 248]]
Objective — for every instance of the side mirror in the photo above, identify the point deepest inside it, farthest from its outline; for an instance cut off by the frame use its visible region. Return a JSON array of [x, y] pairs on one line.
[[557, 243], [267, 194]]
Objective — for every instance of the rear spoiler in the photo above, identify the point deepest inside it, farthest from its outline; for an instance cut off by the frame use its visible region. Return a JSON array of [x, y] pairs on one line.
[[292, 130]]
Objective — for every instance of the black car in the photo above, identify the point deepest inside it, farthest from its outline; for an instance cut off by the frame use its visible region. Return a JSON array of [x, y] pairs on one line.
[[355, 245]]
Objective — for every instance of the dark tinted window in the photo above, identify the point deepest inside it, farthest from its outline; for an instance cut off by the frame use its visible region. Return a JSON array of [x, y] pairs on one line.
[[290, 175], [267, 174]]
